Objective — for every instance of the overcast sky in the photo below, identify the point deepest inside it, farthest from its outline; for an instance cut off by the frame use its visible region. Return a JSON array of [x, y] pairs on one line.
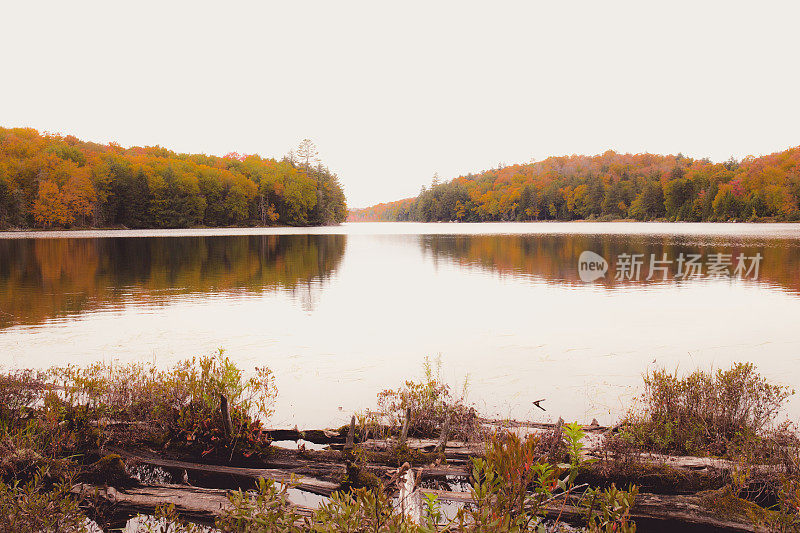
[[392, 93]]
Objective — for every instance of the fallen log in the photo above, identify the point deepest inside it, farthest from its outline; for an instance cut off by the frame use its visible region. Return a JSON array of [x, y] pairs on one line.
[[658, 511], [588, 428], [461, 452], [653, 473], [322, 472], [317, 436], [231, 476], [193, 503], [196, 504], [321, 478], [458, 451], [204, 505]]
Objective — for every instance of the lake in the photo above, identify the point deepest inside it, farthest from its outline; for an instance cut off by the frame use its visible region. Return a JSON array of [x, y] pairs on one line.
[[340, 313]]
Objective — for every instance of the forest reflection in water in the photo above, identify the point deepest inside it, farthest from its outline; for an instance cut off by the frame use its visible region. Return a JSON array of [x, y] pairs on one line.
[[348, 311], [554, 258], [42, 279]]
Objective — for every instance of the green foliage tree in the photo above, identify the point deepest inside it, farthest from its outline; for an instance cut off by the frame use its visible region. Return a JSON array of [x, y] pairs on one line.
[[54, 181]]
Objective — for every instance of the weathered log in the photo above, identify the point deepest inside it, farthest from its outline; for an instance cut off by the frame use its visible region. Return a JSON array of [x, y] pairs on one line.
[[322, 436], [690, 510], [204, 505], [662, 512], [589, 428], [192, 503], [230, 476], [317, 436], [653, 473], [284, 434], [224, 476], [455, 451], [410, 497]]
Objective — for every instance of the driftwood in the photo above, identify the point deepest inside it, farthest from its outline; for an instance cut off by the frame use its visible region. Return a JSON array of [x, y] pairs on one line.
[[652, 472], [588, 428], [317, 436], [659, 502], [235, 477], [454, 451], [649, 509], [460, 451], [204, 505], [319, 477], [409, 497], [194, 503]]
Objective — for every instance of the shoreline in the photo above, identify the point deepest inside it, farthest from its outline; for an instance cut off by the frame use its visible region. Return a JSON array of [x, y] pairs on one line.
[[576, 227], [768, 220], [126, 447]]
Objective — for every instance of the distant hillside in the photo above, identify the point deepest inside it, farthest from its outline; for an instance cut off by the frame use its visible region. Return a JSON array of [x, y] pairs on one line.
[[378, 212], [52, 181], [611, 186]]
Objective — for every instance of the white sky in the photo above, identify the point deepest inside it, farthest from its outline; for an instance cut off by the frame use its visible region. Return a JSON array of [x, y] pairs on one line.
[[392, 93]]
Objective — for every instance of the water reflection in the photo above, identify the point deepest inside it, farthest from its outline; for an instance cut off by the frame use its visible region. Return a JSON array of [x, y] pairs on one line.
[[42, 279], [348, 311], [554, 258]]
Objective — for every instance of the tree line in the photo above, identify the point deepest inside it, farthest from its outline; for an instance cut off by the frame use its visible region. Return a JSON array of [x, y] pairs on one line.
[[55, 181], [611, 186]]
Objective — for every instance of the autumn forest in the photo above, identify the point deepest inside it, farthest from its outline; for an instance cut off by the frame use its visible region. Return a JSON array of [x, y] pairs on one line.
[[611, 186], [55, 181]]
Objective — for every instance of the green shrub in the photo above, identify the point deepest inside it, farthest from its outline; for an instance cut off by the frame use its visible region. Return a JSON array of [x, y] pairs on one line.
[[199, 426], [360, 510], [705, 412], [785, 515], [608, 510], [431, 403], [179, 404], [20, 391], [513, 485], [35, 507], [265, 510]]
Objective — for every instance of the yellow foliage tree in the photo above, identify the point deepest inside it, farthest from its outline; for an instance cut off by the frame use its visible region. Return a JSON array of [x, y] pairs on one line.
[[49, 208], [79, 198]]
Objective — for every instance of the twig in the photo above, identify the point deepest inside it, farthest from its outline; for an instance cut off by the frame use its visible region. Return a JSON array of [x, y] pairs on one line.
[[564, 493]]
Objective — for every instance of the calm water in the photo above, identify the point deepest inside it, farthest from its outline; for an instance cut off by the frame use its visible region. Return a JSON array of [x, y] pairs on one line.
[[340, 313]]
